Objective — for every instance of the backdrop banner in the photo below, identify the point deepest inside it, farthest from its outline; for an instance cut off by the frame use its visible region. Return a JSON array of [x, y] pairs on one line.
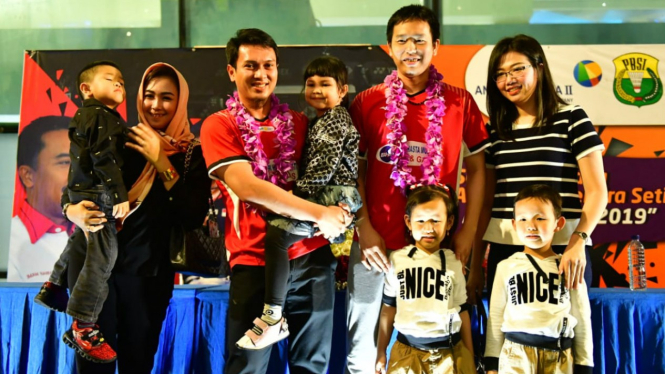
[[615, 84]]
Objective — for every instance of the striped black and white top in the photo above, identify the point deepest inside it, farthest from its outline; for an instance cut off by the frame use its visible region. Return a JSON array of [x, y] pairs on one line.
[[540, 155]]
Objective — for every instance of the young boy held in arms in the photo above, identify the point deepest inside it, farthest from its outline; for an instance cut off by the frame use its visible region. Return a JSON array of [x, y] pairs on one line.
[[97, 134]]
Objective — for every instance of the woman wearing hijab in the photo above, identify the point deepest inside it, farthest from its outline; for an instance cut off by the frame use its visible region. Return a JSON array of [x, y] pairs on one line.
[[141, 283]]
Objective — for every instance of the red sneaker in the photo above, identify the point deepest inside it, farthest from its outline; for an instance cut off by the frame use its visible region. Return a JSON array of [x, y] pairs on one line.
[[53, 297], [89, 343]]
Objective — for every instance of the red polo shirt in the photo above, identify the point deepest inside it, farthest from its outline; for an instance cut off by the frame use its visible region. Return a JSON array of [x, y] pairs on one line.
[[245, 228], [38, 224], [462, 124]]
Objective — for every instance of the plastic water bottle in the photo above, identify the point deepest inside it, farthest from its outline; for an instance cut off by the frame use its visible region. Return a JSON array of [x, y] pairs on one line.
[[637, 275]]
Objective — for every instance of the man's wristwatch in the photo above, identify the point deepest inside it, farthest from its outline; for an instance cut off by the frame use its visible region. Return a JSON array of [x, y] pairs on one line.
[[168, 174], [64, 210], [582, 235]]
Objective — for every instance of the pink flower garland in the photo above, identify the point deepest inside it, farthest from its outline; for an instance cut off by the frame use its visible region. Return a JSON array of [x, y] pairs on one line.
[[251, 134], [396, 100]]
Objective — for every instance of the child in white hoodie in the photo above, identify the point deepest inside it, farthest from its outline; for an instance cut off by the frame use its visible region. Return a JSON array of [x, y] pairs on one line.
[[536, 325], [424, 297]]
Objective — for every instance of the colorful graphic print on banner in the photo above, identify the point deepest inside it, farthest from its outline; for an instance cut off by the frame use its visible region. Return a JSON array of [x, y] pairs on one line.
[[636, 204], [637, 81], [588, 73]]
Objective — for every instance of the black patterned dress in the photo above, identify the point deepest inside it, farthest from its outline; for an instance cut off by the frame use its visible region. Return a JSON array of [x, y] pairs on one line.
[[329, 173]]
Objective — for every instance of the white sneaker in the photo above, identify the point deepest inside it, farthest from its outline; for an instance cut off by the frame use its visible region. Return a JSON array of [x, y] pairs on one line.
[[263, 335]]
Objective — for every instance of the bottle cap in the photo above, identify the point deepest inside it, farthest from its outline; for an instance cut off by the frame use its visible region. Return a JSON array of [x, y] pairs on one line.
[[635, 237]]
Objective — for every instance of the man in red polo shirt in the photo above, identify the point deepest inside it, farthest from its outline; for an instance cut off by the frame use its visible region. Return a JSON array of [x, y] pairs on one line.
[[414, 128], [252, 149], [39, 231]]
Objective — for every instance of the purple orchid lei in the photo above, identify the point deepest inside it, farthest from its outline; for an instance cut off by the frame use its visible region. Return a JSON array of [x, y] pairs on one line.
[[396, 100], [250, 132]]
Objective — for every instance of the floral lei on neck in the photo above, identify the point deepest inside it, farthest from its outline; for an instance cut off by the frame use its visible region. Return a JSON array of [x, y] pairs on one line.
[[250, 131], [396, 100]]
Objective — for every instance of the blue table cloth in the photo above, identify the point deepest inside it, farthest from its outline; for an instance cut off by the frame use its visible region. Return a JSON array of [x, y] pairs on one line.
[[628, 333]]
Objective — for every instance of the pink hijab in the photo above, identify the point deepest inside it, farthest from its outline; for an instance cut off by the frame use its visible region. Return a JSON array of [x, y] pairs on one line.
[[175, 138]]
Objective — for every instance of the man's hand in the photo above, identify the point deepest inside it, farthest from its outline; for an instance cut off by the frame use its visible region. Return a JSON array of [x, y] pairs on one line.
[[334, 221], [86, 215], [573, 262], [346, 208], [372, 248], [462, 243], [475, 285]]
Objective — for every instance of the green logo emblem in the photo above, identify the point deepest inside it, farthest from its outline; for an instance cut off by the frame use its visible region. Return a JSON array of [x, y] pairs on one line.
[[636, 81]]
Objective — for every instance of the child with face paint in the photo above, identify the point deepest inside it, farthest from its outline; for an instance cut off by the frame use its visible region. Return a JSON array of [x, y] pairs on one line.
[[424, 296], [536, 324]]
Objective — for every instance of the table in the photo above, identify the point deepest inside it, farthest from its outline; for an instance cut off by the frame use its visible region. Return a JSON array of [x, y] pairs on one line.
[[628, 333]]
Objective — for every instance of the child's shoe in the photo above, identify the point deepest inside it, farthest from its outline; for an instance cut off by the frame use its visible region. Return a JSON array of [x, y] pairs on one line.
[[263, 335], [53, 297], [89, 343]]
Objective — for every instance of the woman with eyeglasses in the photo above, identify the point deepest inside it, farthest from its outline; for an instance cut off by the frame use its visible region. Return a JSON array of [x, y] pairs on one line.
[[536, 138]]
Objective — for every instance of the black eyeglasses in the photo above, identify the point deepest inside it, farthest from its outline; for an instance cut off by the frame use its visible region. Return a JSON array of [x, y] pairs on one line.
[[516, 72]]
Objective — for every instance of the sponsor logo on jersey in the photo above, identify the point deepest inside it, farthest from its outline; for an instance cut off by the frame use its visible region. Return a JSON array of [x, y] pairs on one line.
[[383, 154], [417, 152]]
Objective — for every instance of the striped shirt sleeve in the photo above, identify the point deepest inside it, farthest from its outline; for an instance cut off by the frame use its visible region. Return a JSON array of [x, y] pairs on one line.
[[583, 136]]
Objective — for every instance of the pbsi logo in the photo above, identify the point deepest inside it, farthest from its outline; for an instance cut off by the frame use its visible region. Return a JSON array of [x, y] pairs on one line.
[[636, 81]]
